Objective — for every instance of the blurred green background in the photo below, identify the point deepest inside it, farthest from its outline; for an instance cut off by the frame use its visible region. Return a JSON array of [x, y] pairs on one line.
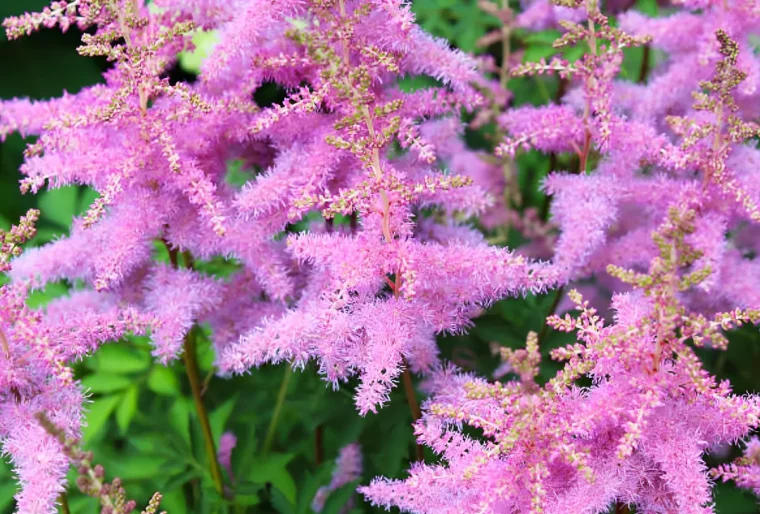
[[141, 423]]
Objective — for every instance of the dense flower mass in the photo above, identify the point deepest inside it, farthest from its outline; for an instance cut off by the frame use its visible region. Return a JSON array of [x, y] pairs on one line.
[[359, 237]]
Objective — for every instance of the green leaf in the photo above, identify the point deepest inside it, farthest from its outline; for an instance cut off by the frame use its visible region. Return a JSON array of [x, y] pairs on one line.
[[204, 42], [273, 469], [177, 481], [137, 467], [338, 498], [535, 53], [179, 418], [52, 291], [648, 7], [46, 234], [105, 383], [281, 502], [174, 501], [248, 488], [206, 353], [7, 490], [729, 498], [416, 82], [218, 418], [127, 408], [237, 175], [162, 380], [544, 37], [574, 53], [247, 500], [307, 488], [59, 205], [88, 196], [97, 416], [120, 359], [394, 449]]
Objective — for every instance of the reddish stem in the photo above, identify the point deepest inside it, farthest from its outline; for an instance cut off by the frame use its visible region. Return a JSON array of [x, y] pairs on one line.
[[414, 406]]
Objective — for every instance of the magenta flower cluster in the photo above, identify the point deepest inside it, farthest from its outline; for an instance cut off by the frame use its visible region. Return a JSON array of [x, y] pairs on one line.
[[662, 209]]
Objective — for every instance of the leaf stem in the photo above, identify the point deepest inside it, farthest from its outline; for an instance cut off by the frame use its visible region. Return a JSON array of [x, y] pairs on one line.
[[277, 410], [190, 357], [644, 69], [414, 406], [64, 503]]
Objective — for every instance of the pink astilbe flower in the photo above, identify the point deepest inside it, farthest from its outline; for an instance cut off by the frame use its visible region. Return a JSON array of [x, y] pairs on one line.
[[391, 262], [370, 301], [227, 444], [37, 347], [348, 467], [11, 241], [744, 471], [176, 298], [636, 436], [35, 377]]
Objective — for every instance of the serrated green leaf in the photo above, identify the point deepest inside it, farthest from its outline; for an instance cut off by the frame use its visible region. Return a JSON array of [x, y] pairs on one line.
[[87, 196], [178, 480], [273, 469], [648, 7], [127, 408], [281, 502], [7, 490], [137, 467], [218, 418], [544, 37], [105, 383], [52, 291], [574, 53], [59, 205], [247, 500], [162, 380], [248, 488], [179, 419], [307, 488], [338, 499], [115, 358], [416, 82], [174, 501], [204, 42], [97, 415], [537, 52]]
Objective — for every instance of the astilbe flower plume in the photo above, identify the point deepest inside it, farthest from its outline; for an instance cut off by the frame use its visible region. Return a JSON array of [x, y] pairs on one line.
[[635, 436], [37, 347], [362, 299], [367, 297], [348, 468], [665, 194], [744, 471]]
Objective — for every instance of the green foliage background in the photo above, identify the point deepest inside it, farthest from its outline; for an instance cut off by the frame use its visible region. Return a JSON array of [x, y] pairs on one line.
[[141, 423]]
